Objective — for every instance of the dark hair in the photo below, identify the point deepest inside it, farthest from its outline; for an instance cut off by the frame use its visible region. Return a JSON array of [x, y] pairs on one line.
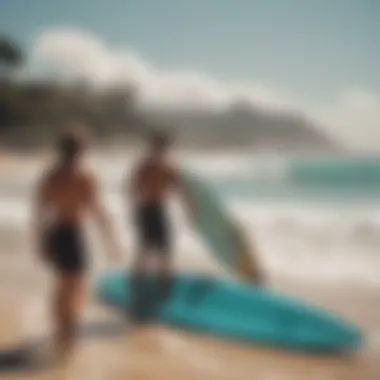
[[70, 143], [160, 139]]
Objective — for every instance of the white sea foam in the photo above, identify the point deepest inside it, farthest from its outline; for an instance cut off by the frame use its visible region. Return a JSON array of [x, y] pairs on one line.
[[308, 241]]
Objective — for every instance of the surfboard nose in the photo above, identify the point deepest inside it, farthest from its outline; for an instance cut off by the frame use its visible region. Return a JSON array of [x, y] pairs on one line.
[[351, 335]]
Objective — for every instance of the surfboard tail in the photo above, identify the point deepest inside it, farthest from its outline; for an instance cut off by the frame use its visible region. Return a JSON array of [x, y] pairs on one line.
[[223, 235], [249, 272], [247, 266]]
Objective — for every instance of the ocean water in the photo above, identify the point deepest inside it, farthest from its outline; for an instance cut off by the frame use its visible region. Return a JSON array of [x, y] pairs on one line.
[[314, 219]]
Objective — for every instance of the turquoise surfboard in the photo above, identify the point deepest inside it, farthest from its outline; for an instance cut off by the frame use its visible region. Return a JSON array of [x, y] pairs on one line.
[[223, 236], [237, 311]]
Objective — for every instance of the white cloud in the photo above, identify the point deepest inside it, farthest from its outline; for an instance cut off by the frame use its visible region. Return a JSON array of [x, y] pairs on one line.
[[354, 117], [75, 53]]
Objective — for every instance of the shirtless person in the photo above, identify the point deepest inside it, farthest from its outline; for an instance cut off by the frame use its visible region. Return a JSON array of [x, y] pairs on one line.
[[65, 195], [153, 181]]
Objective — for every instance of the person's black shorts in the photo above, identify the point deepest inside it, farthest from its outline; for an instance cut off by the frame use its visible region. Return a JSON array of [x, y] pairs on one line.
[[66, 248], [153, 227]]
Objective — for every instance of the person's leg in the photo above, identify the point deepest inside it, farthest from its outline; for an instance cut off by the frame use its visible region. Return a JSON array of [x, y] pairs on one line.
[[70, 264], [59, 315], [162, 243], [143, 226], [139, 270], [164, 256], [142, 234], [140, 262], [67, 305], [165, 272]]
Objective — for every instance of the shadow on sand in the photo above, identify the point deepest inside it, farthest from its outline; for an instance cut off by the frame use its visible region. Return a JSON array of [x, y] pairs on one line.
[[28, 356]]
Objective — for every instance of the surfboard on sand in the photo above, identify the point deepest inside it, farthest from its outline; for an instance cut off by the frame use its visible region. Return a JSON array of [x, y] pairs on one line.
[[233, 310], [224, 236]]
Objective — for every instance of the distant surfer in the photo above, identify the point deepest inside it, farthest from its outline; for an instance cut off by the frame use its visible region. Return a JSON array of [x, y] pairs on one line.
[[153, 181], [66, 193]]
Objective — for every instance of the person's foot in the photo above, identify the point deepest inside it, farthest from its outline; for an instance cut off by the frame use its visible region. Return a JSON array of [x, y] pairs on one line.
[[140, 310], [137, 318], [164, 287]]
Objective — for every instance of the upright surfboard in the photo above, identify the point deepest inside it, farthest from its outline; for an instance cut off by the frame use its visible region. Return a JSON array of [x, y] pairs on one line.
[[233, 310], [223, 236]]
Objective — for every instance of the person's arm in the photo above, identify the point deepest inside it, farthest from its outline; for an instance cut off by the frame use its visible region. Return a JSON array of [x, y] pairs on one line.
[[39, 211], [131, 185], [132, 188], [102, 218]]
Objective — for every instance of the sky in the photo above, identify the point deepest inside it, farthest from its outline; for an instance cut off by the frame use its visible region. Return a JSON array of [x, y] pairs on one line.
[[321, 56]]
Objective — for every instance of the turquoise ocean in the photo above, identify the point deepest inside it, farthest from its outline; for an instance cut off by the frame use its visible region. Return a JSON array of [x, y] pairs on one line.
[[315, 218]]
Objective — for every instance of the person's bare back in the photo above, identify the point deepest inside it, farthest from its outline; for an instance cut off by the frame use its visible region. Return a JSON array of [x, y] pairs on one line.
[[65, 195], [155, 180], [69, 194]]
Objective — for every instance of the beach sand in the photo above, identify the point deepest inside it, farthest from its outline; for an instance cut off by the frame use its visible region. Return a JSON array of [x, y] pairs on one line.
[[113, 350]]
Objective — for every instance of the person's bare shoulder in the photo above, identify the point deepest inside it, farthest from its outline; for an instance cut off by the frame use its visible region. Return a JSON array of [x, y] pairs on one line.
[[46, 177], [140, 169], [89, 181], [172, 169], [44, 183], [88, 176], [139, 166]]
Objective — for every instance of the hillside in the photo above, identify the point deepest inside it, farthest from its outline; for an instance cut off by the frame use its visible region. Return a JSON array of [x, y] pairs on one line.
[[246, 126]]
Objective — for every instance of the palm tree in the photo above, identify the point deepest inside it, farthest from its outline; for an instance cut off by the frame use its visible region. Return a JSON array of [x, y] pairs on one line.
[[11, 56]]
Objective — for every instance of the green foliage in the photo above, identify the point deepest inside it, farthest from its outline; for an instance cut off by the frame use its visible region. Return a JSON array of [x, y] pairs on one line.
[[32, 111], [11, 56]]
